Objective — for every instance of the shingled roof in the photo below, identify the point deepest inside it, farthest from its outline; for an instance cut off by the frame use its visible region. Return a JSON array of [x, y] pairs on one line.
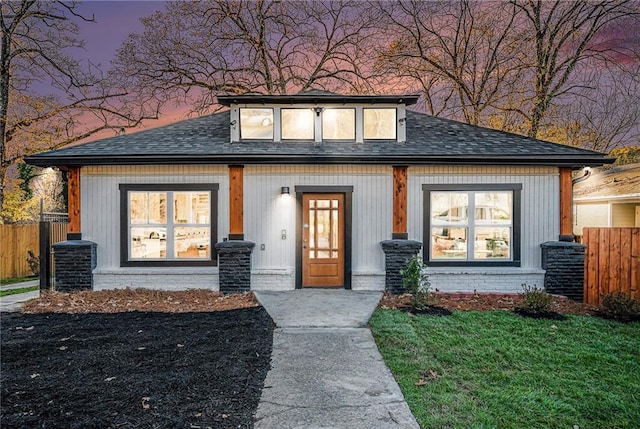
[[430, 140]]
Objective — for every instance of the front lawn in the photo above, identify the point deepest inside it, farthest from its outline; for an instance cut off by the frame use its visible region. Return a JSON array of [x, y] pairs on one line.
[[497, 369], [8, 292]]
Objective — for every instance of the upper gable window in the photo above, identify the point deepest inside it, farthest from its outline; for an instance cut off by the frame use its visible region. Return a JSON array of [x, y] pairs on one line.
[[256, 123], [339, 124], [297, 124], [379, 124]]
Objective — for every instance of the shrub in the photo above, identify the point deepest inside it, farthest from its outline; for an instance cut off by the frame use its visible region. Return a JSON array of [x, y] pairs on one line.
[[416, 280], [34, 263], [536, 300], [621, 306]]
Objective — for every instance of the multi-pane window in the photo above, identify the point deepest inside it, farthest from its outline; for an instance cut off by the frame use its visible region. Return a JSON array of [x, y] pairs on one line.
[[475, 225], [256, 124], [297, 124], [168, 224], [317, 123], [339, 124], [379, 124]]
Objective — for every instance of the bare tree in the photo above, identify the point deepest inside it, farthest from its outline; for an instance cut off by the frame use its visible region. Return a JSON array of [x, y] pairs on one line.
[[466, 55], [194, 50], [607, 115], [37, 38], [564, 36]]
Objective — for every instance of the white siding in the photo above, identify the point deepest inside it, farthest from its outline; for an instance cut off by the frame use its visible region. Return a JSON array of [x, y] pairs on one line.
[[267, 214], [100, 219], [590, 214]]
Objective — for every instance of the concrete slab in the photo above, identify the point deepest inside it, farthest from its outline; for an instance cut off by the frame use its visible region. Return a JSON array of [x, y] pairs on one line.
[[326, 371], [333, 308], [330, 378], [14, 302], [28, 283]]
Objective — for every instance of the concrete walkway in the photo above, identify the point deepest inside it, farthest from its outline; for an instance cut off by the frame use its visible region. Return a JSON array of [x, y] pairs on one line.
[[326, 371], [14, 302]]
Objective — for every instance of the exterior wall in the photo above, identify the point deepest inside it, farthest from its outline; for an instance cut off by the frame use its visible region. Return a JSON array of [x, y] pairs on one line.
[[270, 220], [267, 214], [100, 221], [623, 214], [590, 214], [499, 279], [540, 222]]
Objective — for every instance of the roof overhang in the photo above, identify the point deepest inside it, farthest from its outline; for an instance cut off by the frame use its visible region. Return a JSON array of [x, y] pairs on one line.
[[406, 99], [42, 160]]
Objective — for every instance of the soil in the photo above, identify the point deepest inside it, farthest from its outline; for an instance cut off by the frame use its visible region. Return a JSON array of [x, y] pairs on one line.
[[487, 302], [119, 300], [133, 369], [429, 310], [551, 315]]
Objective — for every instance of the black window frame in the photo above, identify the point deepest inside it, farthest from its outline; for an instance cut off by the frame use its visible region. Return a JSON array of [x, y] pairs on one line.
[[516, 188], [395, 124], [169, 187]]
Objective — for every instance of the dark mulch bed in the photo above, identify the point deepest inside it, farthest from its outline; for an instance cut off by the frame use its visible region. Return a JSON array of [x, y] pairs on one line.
[[429, 310], [134, 370], [550, 315]]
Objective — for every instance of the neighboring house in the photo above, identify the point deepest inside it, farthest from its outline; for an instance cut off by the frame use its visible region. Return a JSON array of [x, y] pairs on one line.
[[317, 181], [608, 197]]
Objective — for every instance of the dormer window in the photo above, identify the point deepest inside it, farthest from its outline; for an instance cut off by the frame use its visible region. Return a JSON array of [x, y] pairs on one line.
[[339, 124], [256, 124], [298, 124], [379, 124], [317, 116]]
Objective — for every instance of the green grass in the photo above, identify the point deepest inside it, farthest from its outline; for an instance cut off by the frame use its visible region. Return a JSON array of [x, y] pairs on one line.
[[12, 280], [17, 291], [499, 370]]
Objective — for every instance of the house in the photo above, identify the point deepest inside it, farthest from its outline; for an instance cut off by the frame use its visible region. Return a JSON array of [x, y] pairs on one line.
[[608, 197], [318, 189]]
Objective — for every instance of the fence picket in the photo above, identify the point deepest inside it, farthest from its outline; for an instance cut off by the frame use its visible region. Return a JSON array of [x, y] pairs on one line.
[[612, 263], [17, 240]]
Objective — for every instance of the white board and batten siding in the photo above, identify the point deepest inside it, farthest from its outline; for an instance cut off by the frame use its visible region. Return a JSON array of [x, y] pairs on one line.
[[100, 222], [267, 214], [270, 221], [540, 222]]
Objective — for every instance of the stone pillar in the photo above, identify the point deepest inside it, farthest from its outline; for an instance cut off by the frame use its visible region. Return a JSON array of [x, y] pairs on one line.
[[74, 262], [396, 255], [564, 265], [234, 264]]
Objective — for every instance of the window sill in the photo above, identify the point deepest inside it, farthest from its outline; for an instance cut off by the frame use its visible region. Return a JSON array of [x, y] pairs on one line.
[[489, 270], [158, 270]]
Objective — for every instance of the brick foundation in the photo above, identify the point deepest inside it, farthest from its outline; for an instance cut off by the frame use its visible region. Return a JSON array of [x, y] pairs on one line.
[[74, 264], [564, 265], [396, 255], [234, 264]]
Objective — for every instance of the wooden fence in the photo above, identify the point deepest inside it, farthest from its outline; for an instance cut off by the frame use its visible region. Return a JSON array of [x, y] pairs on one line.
[[15, 243], [612, 263], [17, 240]]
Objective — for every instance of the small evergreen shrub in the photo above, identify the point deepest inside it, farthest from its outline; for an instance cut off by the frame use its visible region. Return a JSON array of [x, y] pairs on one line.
[[620, 306], [536, 300], [416, 280]]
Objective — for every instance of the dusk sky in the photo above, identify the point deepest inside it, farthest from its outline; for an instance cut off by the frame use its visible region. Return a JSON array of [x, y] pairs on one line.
[[115, 20]]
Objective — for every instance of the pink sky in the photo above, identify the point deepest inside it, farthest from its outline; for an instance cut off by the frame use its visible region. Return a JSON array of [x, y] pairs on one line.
[[115, 20]]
